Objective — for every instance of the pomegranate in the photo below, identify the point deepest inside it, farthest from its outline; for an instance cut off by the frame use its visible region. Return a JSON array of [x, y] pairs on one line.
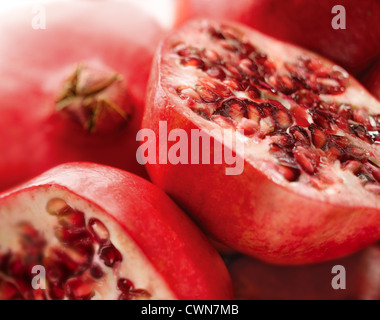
[[371, 80], [305, 23], [359, 280], [73, 91], [102, 233], [310, 188]]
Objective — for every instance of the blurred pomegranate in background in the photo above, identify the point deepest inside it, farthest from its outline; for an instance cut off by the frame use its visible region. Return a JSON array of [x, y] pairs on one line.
[[372, 79], [73, 79], [254, 279], [306, 23]]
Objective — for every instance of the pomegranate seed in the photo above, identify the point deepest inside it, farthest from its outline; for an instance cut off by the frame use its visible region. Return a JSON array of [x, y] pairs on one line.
[[207, 95], [247, 66], [321, 120], [362, 117], [79, 289], [56, 292], [252, 92], [254, 112], [307, 160], [110, 255], [300, 135], [215, 87], [58, 207], [193, 62], [99, 230], [96, 271], [125, 285], [283, 155], [228, 45], [300, 116], [283, 118], [74, 259], [318, 137], [224, 122], [346, 111], [246, 47], [186, 93], [185, 51], [283, 140], [284, 84], [38, 294], [233, 108], [305, 98], [216, 72], [211, 55], [216, 34], [74, 236], [234, 72], [235, 85], [8, 291], [334, 152], [72, 219], [290, 174]]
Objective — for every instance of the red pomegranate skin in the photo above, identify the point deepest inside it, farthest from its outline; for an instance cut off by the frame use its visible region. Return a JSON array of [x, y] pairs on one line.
[[250, 212], [175, 247], [34, 65], [305, 23], [371, 80], [257, 280]]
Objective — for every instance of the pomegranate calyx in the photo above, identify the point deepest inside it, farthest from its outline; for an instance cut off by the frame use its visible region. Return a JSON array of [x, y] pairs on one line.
[[97, 98]]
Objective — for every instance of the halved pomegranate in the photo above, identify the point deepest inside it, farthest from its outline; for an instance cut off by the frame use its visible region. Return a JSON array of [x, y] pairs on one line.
[[359, 280], [310, 186], [73, 91], [102, 233], [305, 23]]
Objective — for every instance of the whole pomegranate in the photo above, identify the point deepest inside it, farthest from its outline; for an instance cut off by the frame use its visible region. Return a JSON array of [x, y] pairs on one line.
[[102, 233], [309, 187], [305, 23], [73, 80]]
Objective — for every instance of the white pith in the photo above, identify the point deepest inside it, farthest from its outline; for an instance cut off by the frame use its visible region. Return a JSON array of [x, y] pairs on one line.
[[256, 152], [30, 206]]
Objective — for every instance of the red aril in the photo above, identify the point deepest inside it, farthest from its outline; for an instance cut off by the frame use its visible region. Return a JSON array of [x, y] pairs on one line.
[[73, 91], [305, 23], [102, 233], [299, 199], [355, 278]]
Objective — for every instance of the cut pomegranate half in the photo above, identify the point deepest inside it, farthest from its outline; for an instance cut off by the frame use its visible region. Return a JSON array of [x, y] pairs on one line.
[[102, 233], [310, 187]]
